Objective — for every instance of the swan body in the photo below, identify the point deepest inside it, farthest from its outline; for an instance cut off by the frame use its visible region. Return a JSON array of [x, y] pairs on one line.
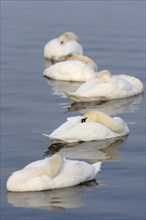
[[75, 68], [94, 125], [107, 86], [52, 173], [67, 44]]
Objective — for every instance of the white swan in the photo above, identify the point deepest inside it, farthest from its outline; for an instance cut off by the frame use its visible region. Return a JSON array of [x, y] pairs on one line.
[[94, 125], [67, 44], [107, 86], [52, 173], [77, 68]]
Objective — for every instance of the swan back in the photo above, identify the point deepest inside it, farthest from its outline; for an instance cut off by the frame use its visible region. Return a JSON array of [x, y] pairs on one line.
[[70, 70], [85, 60], [137, 85]]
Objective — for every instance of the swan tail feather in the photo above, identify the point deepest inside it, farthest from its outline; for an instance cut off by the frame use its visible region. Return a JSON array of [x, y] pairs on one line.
[[71, 95], [47, 135], [74, 97], [97, 166]]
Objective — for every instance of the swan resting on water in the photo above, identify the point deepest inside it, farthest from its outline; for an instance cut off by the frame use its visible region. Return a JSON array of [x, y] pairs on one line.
[[93, 125], [77, 68], [107, 86], [65, 45], [52, 173]]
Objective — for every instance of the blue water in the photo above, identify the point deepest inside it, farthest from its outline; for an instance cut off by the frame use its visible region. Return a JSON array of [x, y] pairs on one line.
[[113, 35]]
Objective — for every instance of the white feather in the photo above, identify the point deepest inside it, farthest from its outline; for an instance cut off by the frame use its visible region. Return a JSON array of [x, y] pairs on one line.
[[115, 87], [73, 172], [73, 130], [55, 48], [70, 70]]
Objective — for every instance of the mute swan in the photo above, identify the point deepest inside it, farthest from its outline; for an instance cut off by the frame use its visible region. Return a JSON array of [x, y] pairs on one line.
[[77, 68], [67, 44], [94, 125], [107, 86], [52, 173]]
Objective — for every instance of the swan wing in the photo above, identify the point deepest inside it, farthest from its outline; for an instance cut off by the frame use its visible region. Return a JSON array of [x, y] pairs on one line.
[[88, 131], [70, 71], [137, 85], [76, 172]]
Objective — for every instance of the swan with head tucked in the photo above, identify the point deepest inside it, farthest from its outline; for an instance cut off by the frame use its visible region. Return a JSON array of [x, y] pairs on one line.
[[52, 173], [93, 125], [65, 45], [77, 68], [107, 86]]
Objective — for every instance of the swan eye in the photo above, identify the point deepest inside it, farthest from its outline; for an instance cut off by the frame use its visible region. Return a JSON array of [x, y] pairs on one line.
[[83, 120]]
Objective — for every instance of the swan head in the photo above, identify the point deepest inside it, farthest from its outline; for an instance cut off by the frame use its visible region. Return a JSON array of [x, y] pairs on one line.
[[104, 75], [68, 36], [91, 116]]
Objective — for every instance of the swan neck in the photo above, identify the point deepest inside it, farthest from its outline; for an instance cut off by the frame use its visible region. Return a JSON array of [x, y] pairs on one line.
[[108, 121], [83, 59]]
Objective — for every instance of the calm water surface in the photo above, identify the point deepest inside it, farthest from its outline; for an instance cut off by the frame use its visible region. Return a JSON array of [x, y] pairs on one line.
[[112, 33]]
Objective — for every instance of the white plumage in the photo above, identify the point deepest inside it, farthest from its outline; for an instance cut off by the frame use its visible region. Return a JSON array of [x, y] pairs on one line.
[[77, 68], [71, 70], [107, 86], [92, 126], [52, 173], [66, 44]]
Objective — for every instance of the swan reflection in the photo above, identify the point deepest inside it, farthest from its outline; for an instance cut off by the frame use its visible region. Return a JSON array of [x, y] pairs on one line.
[[55, 200], [90, 151], [111, 107], [58, 87]]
